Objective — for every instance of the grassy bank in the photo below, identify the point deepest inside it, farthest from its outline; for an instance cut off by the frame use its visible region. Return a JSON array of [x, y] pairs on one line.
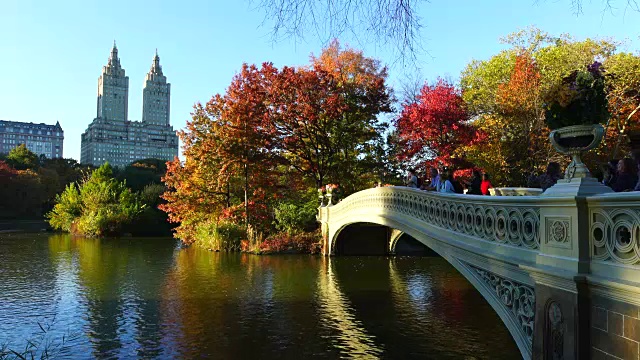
[[226, 236]]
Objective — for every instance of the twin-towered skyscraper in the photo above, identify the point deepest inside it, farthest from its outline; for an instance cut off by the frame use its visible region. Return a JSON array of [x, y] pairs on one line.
[[112, 137]]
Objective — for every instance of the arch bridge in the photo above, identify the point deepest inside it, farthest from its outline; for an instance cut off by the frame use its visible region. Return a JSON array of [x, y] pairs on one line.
[[562, 270]]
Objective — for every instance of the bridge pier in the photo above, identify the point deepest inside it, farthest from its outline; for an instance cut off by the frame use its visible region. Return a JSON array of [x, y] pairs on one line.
[[562, 320]]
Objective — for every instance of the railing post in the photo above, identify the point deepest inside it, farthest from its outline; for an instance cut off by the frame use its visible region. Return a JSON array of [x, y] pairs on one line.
[[323, 218], [561, 328]]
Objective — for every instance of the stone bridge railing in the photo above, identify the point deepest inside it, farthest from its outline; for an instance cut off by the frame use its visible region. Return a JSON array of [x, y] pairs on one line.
[[614, 236], [577, 250], [505, 220]]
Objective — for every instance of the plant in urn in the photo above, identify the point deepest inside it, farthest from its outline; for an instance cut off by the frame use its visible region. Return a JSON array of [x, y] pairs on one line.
[[575, 111]]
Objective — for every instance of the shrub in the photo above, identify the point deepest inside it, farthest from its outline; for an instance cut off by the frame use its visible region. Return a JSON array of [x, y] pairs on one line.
[[219, 236], [101, 206], [308, 243], [68, 207], [294, 218]]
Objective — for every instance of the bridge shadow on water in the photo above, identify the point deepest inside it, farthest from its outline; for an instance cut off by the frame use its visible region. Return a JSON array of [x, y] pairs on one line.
[[372, 239], [415, 304]]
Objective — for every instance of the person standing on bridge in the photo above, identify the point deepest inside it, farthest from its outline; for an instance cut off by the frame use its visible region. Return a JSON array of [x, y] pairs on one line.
[[486, 184], [474, 187], [412, 179], [627, 176], [434, 183], [446, 184], [548, 179]]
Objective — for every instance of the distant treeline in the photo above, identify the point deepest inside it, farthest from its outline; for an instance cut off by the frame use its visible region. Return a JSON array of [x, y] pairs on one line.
[[30, 185]]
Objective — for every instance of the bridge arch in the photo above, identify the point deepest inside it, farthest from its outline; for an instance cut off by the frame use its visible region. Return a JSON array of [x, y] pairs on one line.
[[508, 289], [362, 239]]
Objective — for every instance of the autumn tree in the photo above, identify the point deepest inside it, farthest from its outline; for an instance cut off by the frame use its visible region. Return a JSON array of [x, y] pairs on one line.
[[245, 138], [230, 167], [434, 128], [24, 187], [504, 95], [306, 115], [623, 94], [516, 142], [8, 176], [274, 133]]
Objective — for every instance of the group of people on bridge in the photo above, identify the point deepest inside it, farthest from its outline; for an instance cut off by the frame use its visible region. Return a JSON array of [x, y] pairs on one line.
[[620, 175], [444, 181]]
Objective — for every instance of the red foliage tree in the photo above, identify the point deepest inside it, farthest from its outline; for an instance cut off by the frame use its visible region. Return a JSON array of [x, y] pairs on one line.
[[432, 129], [306, 109], [229, 162]]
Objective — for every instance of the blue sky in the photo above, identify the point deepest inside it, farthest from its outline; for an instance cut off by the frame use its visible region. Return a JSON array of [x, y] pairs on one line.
[[52, 52]]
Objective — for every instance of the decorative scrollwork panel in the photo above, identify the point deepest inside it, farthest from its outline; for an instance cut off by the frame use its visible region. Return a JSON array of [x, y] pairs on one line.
[[518, 299], [615, 235]]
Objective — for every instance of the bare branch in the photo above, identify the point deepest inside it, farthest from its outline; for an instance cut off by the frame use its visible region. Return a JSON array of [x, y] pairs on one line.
[[386, 23]]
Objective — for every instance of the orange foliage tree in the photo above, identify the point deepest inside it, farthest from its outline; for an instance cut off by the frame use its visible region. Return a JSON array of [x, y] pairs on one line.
[[272, 132], [357, 135], [521, 125]]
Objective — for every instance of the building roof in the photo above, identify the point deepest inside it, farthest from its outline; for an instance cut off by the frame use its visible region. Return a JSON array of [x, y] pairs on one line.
[[40, 125]]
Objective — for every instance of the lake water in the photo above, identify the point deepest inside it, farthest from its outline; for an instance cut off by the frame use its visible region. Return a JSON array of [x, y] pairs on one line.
[[147, 298]]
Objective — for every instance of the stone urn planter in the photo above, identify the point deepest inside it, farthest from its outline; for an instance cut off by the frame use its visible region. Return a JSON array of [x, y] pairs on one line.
[[329, 199], [574, 141]]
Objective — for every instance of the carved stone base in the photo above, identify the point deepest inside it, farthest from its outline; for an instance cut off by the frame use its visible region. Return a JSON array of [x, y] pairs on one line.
[[577, 187], [562, 322]]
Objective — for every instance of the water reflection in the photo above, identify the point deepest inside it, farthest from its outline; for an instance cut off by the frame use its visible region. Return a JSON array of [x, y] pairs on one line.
[[113, 286], [337, 315], [145, 298]]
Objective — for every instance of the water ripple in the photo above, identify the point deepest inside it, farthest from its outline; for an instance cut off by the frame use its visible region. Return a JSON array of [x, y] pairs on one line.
[[147, 298]]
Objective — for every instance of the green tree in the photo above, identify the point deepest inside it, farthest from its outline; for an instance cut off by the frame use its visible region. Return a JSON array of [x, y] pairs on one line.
[[21, 158], [106, 206], [152, 221], [68, 170], [141, 173]]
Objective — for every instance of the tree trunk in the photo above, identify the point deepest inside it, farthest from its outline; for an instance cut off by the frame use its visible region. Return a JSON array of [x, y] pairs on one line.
[[246, 194]]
